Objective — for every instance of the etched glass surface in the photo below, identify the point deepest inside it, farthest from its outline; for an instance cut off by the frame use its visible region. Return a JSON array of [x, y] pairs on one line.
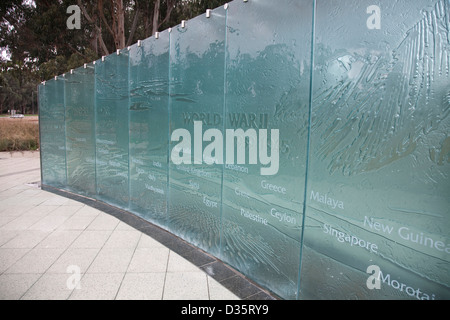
[[52, 132], [197, 60], [212, 130], [80, 130], [149, 93], [378, 188], [111, 117], [267, 81]]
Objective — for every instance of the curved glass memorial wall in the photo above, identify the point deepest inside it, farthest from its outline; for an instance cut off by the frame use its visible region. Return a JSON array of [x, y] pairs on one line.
[[304, 143]]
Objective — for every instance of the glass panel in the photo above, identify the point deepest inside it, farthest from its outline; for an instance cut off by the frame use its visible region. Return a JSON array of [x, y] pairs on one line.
[[112, 100], [197, 58], [149, 95], [378, 180], [80, 130], [52, 132], [205, 131], [268, 79]]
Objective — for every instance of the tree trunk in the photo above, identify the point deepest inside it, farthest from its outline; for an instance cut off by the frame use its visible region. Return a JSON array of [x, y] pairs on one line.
[[97, 31], [156, 16], [94, 41], [146, 26], [170, 7], [133, 27], [119, 23]]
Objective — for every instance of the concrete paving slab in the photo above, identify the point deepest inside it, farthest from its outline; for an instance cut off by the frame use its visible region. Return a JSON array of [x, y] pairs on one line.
[[104, 222], [59, 239], [91, 239], [149, 260], [50, 286], [14, 286], [36, 261], [58, 246], [115, 260], [123, 239], [142, 286], [7, 235], [9, 256], [98, 286], [82, 258], [187, 285], [76, 223], [26, 239]]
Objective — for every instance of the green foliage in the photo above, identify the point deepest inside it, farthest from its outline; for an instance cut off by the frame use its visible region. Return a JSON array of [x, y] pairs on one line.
[[17, 86]]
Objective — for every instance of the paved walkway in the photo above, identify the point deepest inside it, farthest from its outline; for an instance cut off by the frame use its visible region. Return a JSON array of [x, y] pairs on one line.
[[53, 247]]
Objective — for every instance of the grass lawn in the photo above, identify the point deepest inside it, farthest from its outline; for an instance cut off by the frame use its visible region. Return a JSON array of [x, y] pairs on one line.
[[19, 134]]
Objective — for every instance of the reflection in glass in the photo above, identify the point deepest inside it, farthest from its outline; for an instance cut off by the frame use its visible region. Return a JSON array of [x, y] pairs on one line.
[[197, 59], [149, 94], [267, 85], [112, 103], [80, 130], [378, 186], [52, 132]]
